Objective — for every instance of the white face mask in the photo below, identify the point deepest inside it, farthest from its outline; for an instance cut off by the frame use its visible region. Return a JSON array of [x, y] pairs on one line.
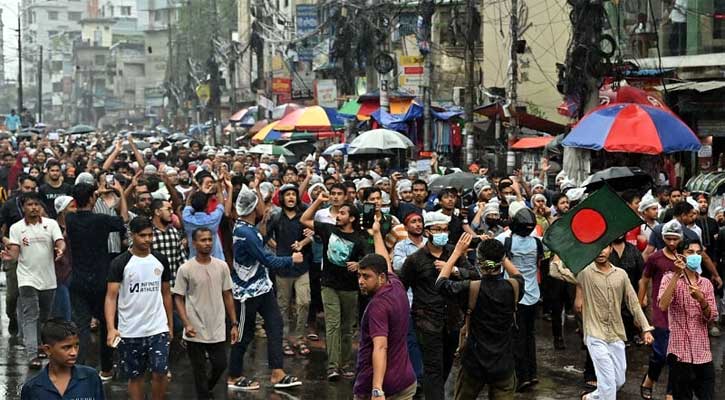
[[385, 210], [510, 199]]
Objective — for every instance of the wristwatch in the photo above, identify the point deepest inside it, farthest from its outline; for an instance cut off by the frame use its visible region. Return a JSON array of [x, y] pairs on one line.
[[377, 393]]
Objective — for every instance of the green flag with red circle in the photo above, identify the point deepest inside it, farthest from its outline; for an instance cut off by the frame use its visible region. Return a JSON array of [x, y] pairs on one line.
[[580, 235]]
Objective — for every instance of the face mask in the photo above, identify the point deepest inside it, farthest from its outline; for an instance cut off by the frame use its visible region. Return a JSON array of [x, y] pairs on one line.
[[510, 199], [440, 239], [24, 160], [693, 262], [26, 170], [491, 222], [385, 210]]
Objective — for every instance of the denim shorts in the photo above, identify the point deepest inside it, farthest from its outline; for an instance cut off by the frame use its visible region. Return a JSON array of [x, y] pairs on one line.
[[145, 353]]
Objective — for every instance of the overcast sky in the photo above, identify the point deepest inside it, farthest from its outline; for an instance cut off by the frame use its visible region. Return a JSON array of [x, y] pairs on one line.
[[10, 18]]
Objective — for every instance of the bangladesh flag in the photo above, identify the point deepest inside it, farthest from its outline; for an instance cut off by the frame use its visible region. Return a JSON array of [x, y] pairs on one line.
[[580, 235]]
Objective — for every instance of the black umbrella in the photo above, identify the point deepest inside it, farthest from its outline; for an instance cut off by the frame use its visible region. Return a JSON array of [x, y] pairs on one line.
[[78, 129], [619, 178], [177, 137], [141, 134], [458, 180], [369, 153]]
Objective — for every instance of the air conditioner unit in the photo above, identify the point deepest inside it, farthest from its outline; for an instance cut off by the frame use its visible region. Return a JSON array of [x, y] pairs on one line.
[[459, 93]]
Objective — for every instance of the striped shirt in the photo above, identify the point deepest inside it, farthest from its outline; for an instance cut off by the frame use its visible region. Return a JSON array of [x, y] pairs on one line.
[[114, 238]]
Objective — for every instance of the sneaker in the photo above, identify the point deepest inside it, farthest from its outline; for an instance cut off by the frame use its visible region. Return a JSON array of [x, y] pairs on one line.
[[715, 331], [333, 374], [105, 376]]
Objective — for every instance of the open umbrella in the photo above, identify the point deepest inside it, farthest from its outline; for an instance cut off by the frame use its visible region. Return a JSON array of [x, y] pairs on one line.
[[314, 118], [268, 133], [369, 153], [177, 137], [382, 139], [245, 116], [258, 126], [80, 129], [283, 110], [619, 178], [458, 180], [271, 149], [343, 147], [632, 128]]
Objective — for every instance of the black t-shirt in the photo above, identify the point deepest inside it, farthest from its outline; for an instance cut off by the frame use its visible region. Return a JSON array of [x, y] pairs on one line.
[[88, 236], [10, 213], [338, 248], [51, 193]]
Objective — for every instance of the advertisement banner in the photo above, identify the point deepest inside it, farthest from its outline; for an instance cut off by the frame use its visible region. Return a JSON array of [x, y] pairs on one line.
[[306, 20], [281, 86], [326, 92], [411, 74]]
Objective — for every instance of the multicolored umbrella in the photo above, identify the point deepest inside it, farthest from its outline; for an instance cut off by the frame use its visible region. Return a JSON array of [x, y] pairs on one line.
[[283, 110], [632, 128], [245, 116], [268, 133], [313, 118]]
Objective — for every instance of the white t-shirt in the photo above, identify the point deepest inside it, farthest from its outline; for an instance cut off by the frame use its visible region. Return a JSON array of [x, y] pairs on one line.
[[36, 262], [679, 12], [325, 216], [141, 311]]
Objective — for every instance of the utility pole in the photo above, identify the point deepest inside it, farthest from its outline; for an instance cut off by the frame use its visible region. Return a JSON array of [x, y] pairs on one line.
[[20, 64], [40, 86], [469, 58], [427, 11], [513, 83]]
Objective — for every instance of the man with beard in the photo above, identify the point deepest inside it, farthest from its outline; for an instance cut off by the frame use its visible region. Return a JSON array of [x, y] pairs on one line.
[[285, 229], [436, 318], [184, 183], [419, 202], [253, 293], [343, 246], [168, 241], [413, 223], [10, 213], [648, 208], [675, 197], [54, 187]]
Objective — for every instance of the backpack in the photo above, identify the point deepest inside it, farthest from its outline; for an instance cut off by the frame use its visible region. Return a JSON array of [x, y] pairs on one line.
[[473, 291]]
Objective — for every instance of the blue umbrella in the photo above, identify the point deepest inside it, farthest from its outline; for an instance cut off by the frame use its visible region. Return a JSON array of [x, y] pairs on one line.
[[343, 147]]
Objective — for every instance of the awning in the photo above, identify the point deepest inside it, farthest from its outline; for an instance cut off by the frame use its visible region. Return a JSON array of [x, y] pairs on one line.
[[704, 86], [528, 143], [524, 119]]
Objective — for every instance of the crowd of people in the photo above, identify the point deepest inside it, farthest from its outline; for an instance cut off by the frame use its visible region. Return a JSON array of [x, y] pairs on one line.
[[211, 249]]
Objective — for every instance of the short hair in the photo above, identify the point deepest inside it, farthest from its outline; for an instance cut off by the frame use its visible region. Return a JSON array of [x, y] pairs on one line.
[[368, 191], [630, 195], [199, 201], [490, 250], [197, 231], [681, 208], [152, 183], [558, 196], [82, 193], [664, 189], [31, 196], [139, 224], [26, 177], [675, 190], [375, 262], [289, 168], [57, 329], [348, 185], [684, 244], [420, 182], [52, 163], [156, 204], [338, 186]]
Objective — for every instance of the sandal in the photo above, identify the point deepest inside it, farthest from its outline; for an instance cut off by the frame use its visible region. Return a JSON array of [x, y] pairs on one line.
[[584, 395], [302, 349], [591, 384], [287, 350], [313, 336], [645, 392], [244, 384], [287, 382]]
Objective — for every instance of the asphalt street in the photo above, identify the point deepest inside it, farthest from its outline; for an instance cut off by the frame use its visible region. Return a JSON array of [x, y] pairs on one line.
[[559, 371]]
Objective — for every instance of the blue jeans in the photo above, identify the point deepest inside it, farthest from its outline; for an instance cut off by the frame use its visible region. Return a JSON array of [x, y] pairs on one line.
[[61, 304], [416, 357], [658, 359]]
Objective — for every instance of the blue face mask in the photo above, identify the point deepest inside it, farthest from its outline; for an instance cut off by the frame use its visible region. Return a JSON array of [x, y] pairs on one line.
[[693, 262], [440, 239]]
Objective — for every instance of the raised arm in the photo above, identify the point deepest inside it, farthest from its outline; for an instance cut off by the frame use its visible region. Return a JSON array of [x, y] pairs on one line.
[[308, 217]]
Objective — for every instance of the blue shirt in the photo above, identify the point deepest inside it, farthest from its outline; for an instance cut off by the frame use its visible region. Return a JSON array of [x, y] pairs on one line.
[[251, 260], [12, 122], [84, 385], [194, 220], [524, 255]]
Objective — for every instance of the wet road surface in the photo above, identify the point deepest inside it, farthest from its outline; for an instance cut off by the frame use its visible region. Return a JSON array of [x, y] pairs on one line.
[[559, 371]]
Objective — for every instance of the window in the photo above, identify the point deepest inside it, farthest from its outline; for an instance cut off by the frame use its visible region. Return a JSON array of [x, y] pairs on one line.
[[74, 16], [100, 59], [126, 10], [57, 87], [53, 15], [56, 66]]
